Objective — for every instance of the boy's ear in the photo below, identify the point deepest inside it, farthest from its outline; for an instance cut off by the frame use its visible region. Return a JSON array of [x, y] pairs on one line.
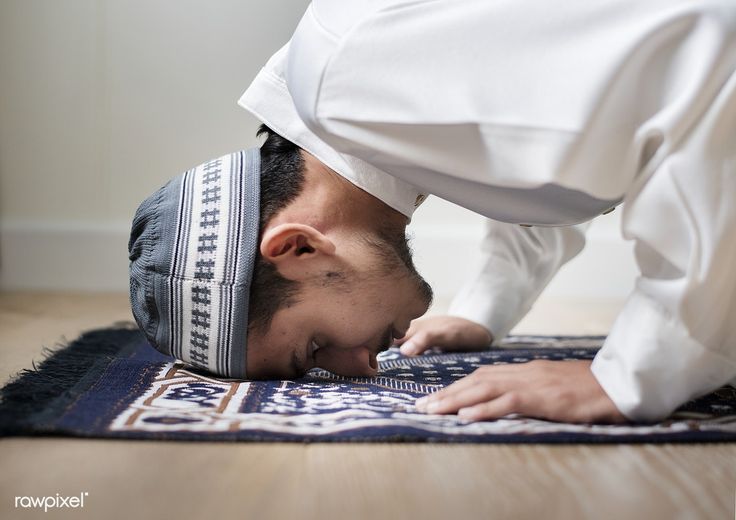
[[288, 245]]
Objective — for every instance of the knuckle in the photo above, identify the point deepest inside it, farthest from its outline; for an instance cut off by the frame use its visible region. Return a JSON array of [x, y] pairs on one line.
[[487, 388], [434, 338], [514, 400], [564, 396]]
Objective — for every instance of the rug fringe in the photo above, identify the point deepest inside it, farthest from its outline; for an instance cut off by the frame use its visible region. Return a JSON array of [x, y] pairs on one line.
[[64, 367]]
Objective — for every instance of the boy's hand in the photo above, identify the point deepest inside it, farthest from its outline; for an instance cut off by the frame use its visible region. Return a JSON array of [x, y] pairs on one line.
[[445, 332], [565, 391]]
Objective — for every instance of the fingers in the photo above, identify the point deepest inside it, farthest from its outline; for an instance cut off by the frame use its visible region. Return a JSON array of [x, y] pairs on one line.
[[409, 333], [553, 390], [463, 396], [416, 343], [500, 374], [477, 403], [476, 395], [508, 403], [420, 336], [445, 332]]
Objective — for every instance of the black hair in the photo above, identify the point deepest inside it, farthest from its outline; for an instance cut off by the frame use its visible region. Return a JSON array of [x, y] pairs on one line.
[[282, 180]]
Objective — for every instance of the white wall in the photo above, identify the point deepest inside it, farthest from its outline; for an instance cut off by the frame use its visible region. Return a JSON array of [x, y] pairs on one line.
[[101, 101], [446, 239]]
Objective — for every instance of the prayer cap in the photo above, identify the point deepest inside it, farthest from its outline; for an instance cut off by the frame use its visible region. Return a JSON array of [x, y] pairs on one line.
[[193, 245]]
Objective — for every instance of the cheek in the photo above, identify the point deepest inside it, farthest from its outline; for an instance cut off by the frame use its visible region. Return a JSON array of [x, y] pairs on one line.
[[385, 299], [352, 318], [353, 324], [358, 303]]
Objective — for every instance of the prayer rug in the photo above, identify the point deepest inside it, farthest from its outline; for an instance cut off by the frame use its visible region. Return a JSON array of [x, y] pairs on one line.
[[110, 383]]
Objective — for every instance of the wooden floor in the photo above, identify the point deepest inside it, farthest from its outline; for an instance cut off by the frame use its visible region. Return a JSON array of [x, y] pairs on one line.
[[141, 479]]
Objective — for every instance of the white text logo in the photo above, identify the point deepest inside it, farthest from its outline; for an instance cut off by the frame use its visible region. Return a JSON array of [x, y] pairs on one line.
[[50, 502]]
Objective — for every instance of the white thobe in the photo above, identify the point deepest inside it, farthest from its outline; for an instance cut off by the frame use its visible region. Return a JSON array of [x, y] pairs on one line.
[[544, 114]]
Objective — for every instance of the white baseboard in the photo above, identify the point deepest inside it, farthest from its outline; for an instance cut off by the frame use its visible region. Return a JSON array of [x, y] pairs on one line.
[[86, 257]]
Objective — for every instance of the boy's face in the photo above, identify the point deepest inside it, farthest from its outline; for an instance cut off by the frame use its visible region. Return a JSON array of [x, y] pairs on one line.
[[342, 325], [338, 331], [359, 288]]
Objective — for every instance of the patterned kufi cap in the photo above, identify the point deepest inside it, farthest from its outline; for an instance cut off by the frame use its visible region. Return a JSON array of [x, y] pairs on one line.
[[192, 249]]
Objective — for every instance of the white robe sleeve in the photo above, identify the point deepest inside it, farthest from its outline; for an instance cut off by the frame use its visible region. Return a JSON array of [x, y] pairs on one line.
[[676, 336], [517, 264]]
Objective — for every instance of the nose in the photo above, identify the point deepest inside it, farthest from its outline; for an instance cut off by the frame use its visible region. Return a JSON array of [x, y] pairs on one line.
[[355, 362]]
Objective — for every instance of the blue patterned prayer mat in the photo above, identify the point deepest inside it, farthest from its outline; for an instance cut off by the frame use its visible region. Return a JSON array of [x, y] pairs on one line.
[[111, 383]]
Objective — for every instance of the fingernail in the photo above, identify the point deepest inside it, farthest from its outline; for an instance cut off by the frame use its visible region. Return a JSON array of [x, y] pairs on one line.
[[408, 348], [433, 407]]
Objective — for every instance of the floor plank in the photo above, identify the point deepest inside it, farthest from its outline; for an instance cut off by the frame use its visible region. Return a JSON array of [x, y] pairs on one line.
[[143, 479]]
